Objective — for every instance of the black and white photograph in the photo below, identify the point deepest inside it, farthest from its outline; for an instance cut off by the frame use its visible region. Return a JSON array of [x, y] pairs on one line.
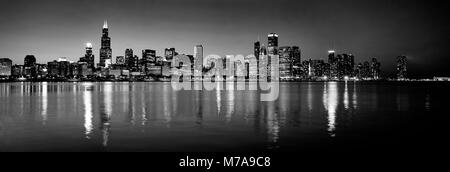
[[209, 85]]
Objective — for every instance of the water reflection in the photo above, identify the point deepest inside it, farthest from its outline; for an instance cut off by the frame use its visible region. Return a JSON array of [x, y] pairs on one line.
[[44, 103], [198, 119], [427, 101], [144, 118], [346, 101], [355, 102], [402, 99], [198, 107], [230, 102], [310, 96], [218, 99], [273, 124], [166, 103], [131, 104], [88, 110], [330, 96], [105, 115]]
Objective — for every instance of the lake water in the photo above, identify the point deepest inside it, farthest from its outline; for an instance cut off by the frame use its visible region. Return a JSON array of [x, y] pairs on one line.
[[308, 116]]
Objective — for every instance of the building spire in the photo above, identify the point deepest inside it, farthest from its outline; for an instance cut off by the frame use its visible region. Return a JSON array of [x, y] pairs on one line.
[[105, 25]]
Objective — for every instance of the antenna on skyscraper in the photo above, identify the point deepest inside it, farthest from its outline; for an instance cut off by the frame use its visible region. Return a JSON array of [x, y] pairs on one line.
[[332, 47], [105, 24]]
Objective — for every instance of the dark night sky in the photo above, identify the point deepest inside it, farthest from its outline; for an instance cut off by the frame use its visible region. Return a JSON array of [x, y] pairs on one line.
[[374, 28]]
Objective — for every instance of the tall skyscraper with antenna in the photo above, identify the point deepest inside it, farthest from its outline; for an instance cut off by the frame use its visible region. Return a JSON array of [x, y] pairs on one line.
[[105, 50]]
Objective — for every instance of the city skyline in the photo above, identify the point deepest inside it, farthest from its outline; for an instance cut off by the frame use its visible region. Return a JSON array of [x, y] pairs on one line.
[[338, 67], [139, 31]]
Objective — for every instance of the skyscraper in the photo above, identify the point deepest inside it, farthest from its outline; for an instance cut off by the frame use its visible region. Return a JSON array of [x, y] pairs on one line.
[[29, 61], [332, 60], [286, 55], [64, 67], [296, 61], [149, 55], [366, 70], [198, 60], [105, 50], [169, 53], [257, 48], [120, 60], [340, 66], [348, 65], [375, 69], [401, 68], [130, 59], [263, 50], [30, 66], [5, 67], [89, 57], [272, 44], [263, 58], [53, 68]]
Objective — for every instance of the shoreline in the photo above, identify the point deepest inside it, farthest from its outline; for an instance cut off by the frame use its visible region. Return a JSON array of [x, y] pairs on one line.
[[224, 81]]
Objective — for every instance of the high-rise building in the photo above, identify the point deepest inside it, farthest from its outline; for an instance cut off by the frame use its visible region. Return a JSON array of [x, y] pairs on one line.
[[129, 57], [348, 65], [333, 61], [402, 68], [272, 47], [149, 56], [263, 57], [41, 70], [74, 70], [296, 61], [135, 64], [83, 69], [340, 66], [105, 50], [5, 66], [366, 71], [132, 61], [317, 68], [286, 65], [30, 61], [120, 60], [53, 68], [257, 48], [64, 67], [17, 71], [256, 51], [359, 70], [30, 66], [89, 57], [375, 69], [169, 53], [198, 60]]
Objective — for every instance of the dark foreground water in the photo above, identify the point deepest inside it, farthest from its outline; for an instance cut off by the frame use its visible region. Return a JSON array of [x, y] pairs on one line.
[[314, 117]]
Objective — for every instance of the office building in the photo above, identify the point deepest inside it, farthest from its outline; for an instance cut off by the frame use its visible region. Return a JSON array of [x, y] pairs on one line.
[[105, 50], [402, 68], [5, 67]]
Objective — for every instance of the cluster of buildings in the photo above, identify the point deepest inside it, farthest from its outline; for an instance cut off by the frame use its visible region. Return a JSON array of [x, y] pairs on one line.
[[337, 67], [152, 67], [127, 67]]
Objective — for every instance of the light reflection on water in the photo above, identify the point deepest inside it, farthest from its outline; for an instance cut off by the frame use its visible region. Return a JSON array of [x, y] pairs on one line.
[[158, 118], [330, 104], [44, 102], [87, 102]]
